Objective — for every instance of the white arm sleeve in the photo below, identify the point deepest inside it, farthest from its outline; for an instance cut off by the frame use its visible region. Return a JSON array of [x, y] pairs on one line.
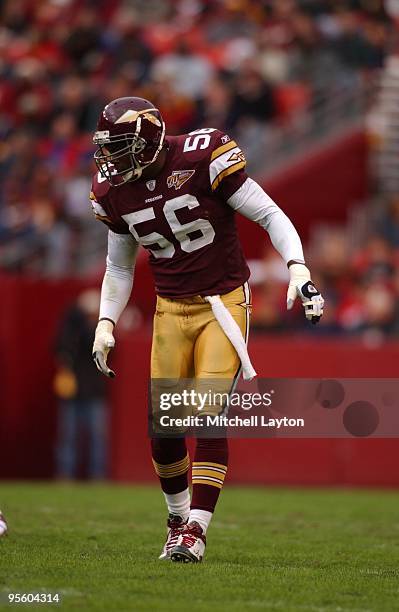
[[251, 201], [118, 277]]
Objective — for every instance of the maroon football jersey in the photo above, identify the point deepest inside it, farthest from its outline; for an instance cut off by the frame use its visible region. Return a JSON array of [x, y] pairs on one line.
[[181, 217]]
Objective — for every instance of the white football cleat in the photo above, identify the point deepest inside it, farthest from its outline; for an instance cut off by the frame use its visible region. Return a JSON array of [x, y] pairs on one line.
[[190, 547], [3, 525], [175, 527]]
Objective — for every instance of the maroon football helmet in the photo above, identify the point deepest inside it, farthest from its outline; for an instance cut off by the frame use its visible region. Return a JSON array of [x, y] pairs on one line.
[[130, 134]]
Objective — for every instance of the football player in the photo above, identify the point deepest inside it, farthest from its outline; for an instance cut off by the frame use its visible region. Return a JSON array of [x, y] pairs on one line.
[[177, 197]]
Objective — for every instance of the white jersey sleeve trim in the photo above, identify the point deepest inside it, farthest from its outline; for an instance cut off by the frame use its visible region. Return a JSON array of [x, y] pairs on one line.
[[118, 278], [253, 202]]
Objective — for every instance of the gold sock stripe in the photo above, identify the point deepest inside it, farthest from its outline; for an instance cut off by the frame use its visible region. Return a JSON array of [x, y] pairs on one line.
[[175, 465], [216, 484], [209, 472], [172, 469], [208, 479], [209, 464]]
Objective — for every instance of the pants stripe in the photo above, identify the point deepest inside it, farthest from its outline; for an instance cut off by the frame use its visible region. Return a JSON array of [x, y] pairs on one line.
[[247, 294]]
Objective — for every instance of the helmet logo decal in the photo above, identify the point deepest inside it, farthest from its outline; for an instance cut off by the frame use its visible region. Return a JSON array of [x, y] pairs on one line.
[[179, 177], [132, 115]]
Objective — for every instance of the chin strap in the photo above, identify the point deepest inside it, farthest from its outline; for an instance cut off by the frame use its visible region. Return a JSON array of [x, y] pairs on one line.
[[233, 332]]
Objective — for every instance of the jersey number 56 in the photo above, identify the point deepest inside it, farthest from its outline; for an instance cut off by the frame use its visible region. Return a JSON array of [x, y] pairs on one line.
[[181, 231]]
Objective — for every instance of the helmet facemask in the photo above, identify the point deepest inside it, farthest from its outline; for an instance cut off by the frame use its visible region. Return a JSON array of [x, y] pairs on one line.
[[122, 158]]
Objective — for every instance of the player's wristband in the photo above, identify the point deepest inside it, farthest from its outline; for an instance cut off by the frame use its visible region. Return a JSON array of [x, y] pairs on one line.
[[107, 319], [295, 261]]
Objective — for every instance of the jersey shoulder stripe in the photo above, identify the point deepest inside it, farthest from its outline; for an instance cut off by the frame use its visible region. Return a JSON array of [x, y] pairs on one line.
[[223, 149], [226, 172], [226, 163], [225, 159]]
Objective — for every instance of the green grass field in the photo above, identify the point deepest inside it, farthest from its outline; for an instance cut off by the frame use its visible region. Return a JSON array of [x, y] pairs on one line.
[[268, 549]]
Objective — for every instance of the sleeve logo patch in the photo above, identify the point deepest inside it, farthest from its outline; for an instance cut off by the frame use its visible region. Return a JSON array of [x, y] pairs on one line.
[[237, 156], [225, 138], [178, 178]]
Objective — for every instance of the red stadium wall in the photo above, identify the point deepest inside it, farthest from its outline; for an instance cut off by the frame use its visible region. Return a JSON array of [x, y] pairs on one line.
[[29, 311], [301, 462]]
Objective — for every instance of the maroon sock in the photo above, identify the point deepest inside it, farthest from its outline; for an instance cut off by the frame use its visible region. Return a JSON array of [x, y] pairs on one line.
[[208, 472], [171, 463]]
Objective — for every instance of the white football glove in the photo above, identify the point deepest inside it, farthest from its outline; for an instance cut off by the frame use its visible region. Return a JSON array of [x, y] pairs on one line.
[[104, 341], [301, 286]]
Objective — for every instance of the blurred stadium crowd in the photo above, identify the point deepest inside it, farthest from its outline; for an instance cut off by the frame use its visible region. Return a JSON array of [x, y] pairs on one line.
[[234, 64], [360, 280]]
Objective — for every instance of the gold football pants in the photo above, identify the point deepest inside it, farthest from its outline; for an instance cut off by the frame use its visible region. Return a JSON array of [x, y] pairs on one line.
[[188, 343]]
